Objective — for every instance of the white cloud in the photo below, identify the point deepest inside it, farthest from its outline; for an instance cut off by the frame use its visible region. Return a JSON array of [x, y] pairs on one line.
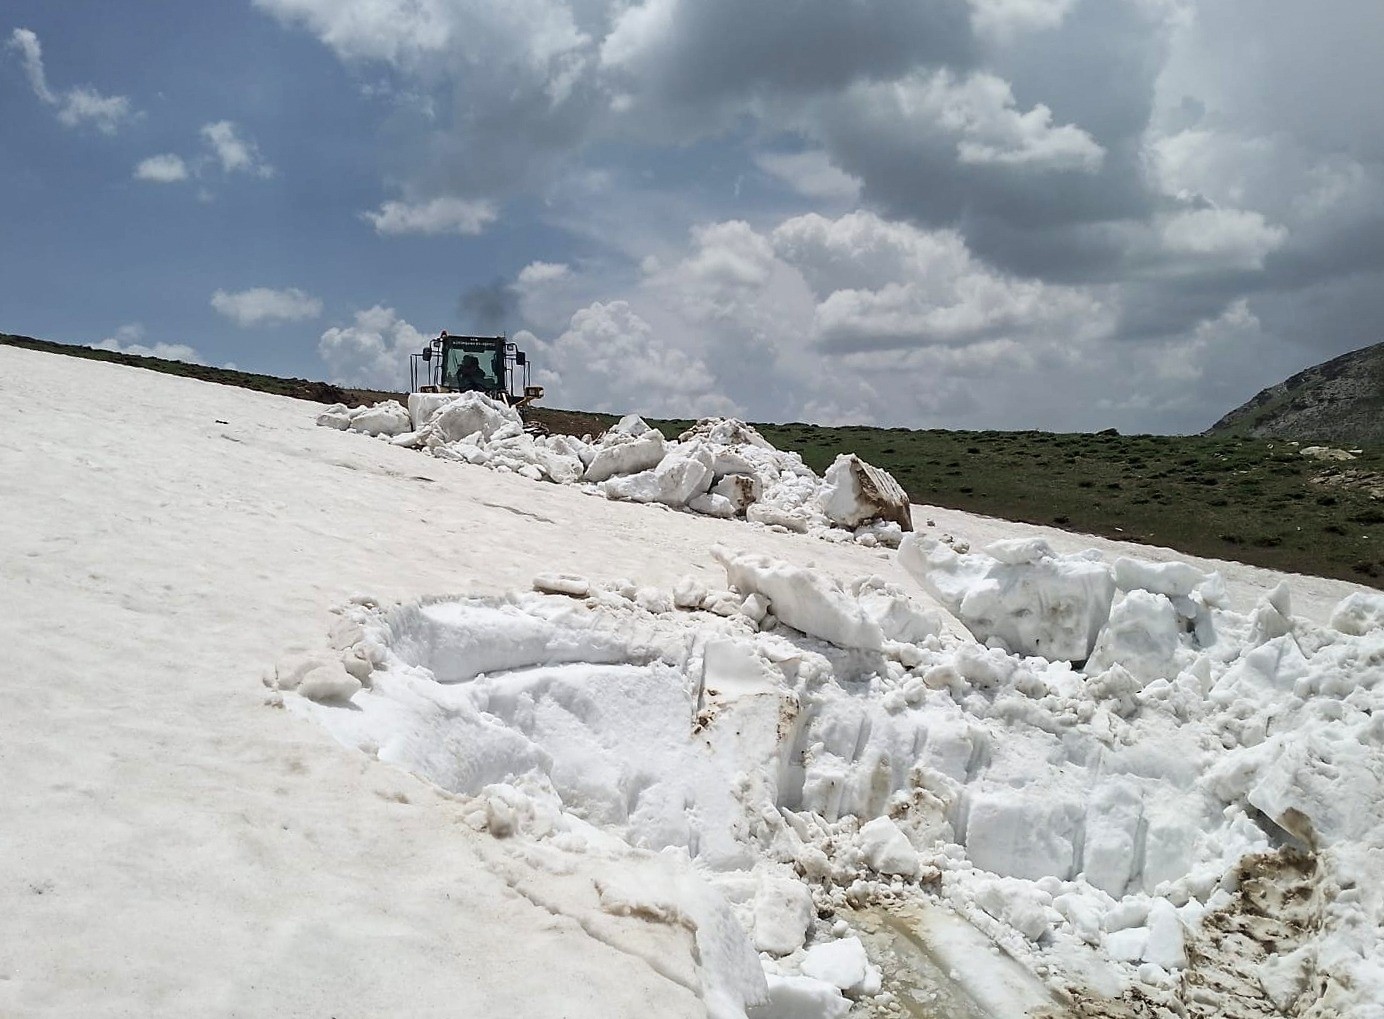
[[1001, 20], [236, 154], [162, 169], [438, 216], [76, 106], [538, 273], [1224, 238], [886, 285], [609, 359], [127, 341], [811, 174], [373, 352], [979, 113], [412, 34], [262, 304], [853, 318]]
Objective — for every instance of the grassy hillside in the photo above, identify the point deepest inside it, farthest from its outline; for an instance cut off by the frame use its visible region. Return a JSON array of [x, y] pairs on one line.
[[1254, 500]]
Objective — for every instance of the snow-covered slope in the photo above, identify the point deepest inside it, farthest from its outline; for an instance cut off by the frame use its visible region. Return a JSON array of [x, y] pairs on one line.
[[172, 843]]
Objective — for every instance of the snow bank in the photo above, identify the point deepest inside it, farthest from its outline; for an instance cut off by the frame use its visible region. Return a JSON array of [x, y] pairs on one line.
[[806, 747], [720, 467]]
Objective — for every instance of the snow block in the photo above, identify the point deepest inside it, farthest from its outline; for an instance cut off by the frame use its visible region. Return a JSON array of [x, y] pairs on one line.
[[621, 453], [800, 998], [1359, 613], [337, 416], [1176, 580], [681, 475], [726, 432], [841, 963], [454, 416], [1144, 636], [1021, 594], [887, 849], [806, 601], [740, 490], [387, 418], [854, 493], [782, 914], [1023, 833]]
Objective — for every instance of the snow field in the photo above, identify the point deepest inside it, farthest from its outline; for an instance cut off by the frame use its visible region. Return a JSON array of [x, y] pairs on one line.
[[172, 846]]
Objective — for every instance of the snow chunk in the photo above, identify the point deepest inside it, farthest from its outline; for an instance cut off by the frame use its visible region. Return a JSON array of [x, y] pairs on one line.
[[783, 912], [853, 493], [1359, 613], [740, 490], [627, 450], [793, 997], [387, 418], [318, 678], [1176, 580], [1022, 594], [454, 416], [887, 849], [842, 963], [726, 432], [1164, 946], [807, 601], [1143, 635], [1021, 905], [682, 474], [337, 416]]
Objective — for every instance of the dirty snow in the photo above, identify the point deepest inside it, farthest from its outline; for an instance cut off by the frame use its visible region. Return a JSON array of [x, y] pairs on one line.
[[684, 765]]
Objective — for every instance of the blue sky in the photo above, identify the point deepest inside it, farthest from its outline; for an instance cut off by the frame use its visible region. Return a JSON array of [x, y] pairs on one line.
[[956, 213]]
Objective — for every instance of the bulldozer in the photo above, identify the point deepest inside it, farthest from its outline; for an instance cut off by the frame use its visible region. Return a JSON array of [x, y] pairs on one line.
[[484, 364]]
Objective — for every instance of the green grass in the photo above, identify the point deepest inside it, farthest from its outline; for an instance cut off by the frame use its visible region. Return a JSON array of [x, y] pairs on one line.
[[1252, 500]]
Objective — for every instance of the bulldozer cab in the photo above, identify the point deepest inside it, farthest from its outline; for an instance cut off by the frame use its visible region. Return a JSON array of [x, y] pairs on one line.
[[485, 364]]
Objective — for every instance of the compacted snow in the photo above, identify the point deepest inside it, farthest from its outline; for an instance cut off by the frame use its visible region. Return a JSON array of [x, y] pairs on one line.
[[550, 752]]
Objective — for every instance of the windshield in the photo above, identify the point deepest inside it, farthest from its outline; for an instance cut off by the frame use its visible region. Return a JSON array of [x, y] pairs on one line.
[[471, 369]]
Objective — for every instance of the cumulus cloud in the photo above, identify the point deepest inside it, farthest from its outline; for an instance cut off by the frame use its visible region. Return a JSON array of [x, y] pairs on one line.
[[1002, 20], [74, 106], [1231, 238], [883, 285], [978, 114], [438, 216], [810, 174], [162, 169], [1065, 185], [609, 359], [373, 352], [537, 273], [128, 339], [234, 153], [260, 305], [847, 318]]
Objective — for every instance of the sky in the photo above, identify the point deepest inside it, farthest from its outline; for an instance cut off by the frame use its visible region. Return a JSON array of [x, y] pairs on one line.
[[1057, 214]]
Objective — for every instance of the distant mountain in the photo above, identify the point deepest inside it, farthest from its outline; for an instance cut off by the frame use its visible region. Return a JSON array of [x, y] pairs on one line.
[[1340, 401]]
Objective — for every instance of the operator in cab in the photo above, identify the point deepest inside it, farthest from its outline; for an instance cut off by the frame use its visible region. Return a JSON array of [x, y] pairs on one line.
[[470, 375]]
